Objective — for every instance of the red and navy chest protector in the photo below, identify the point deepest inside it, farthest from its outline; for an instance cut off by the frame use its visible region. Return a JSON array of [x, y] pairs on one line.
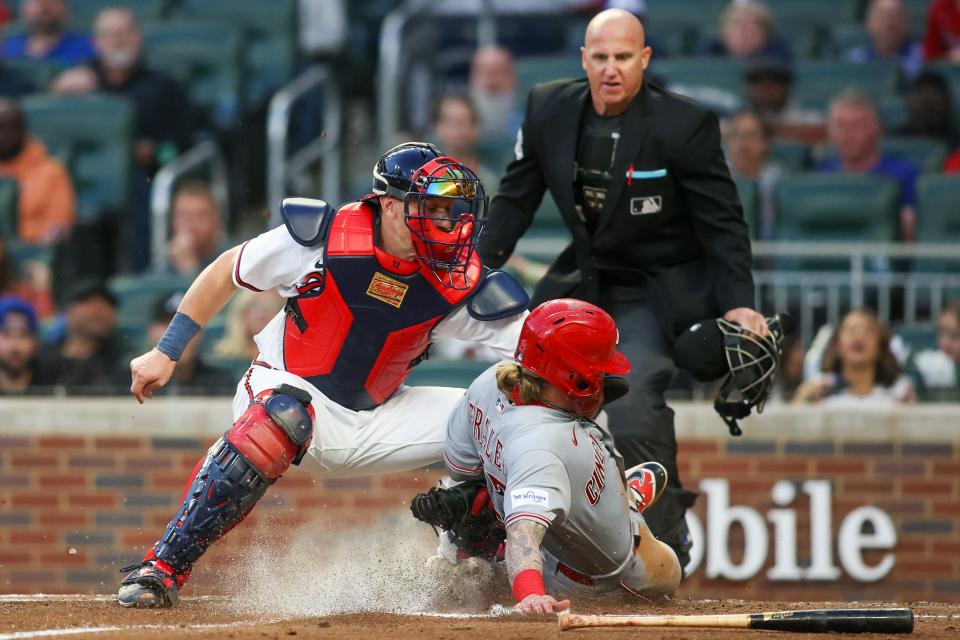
[[357, 331]]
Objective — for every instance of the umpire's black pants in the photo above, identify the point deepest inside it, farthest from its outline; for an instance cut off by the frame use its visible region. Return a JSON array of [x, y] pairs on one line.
[[642, 423]]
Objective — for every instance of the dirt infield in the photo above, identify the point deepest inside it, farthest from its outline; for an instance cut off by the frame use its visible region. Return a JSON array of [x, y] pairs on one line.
[[23, 617]]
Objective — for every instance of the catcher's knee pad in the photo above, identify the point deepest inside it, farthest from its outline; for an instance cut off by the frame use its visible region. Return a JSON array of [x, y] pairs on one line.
[[273, 433]]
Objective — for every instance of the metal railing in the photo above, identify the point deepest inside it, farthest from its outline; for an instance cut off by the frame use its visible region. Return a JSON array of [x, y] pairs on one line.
[[881, 275], [291, 171], [205, 153]]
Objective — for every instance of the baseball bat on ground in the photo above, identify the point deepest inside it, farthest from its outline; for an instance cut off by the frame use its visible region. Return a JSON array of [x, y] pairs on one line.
[[812, 621]]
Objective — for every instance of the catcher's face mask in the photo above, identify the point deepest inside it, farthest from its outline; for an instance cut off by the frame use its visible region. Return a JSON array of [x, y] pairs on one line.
[[752, 362]]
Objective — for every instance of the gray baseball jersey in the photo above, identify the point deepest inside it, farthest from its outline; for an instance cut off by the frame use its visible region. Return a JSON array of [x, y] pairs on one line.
[[542, 465]]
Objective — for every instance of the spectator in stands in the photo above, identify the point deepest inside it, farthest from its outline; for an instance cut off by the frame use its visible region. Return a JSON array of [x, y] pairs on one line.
[[30, 280], [5, 15], [456, 127], [854, 129], [197, 377], [18, 346], [941, 40], [747, 31], [768, 90], [888, 25], [46, 37], [858, 367], [249, 313], [47, 202], [952, 163], [493, 89], [197, 229], [930, 109], [747, 140], [937, 372], [87, 358], [163, 112]]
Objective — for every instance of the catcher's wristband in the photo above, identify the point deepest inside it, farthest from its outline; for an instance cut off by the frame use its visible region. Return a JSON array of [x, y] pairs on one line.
[[528, 582], [177, 336]]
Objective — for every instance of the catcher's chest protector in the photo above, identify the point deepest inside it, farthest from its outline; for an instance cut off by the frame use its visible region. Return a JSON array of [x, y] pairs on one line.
[[366, 321]]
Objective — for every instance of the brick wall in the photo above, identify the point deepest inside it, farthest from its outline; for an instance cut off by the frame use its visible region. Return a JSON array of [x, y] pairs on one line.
[[91, 486]]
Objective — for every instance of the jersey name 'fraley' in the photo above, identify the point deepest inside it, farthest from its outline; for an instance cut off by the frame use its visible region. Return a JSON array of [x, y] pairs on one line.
[[543, 466], [356, 318]]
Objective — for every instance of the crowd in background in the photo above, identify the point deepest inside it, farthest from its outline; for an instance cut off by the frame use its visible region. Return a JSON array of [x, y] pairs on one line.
[[62, 324]]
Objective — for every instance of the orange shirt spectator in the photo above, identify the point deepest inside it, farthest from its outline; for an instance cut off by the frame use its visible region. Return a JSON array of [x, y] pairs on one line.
[[942, 36], [47, 201]]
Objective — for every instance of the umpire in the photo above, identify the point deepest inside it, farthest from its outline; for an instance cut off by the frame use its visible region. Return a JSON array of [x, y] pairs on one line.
[[659, 240]]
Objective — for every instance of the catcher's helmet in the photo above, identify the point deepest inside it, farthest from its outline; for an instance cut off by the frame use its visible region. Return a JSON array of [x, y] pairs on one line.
[[443, 203], [716, 348], [572, 344]]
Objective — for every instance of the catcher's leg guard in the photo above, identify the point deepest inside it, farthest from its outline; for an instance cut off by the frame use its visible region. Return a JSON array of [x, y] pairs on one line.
[[273, 433]]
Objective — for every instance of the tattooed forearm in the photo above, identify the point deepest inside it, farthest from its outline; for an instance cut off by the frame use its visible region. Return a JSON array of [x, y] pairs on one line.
[[523, 547]]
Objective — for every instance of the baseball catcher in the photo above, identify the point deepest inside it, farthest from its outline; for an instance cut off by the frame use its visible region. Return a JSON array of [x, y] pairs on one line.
[[368, 287], [524, 443]]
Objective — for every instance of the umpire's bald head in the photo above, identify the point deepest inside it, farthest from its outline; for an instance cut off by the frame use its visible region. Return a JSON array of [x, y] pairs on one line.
[[614, 55]]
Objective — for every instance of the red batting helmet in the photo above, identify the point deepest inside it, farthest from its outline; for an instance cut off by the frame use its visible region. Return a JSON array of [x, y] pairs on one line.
[[571, 344]]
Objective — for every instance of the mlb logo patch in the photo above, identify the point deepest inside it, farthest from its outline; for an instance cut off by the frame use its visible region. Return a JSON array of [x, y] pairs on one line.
[[646, 205]]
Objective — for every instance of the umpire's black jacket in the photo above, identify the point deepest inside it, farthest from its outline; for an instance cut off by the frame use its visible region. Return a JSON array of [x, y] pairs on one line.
[[673, 235]]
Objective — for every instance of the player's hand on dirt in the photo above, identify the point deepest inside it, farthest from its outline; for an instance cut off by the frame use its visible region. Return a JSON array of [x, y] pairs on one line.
[[542, 604], [748, 319], [148, 372]]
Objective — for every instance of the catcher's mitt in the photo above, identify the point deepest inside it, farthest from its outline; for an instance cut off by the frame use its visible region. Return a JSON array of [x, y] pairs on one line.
[[465, 510]]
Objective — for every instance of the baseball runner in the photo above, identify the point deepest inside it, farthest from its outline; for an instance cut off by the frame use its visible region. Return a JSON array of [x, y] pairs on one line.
[[368, 287], [554, 479]]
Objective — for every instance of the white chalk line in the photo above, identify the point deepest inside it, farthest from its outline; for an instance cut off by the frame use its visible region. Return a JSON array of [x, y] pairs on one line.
[[23, 635]]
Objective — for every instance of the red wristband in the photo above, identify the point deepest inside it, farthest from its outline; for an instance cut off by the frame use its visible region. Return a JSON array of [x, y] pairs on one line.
[[527, 583]]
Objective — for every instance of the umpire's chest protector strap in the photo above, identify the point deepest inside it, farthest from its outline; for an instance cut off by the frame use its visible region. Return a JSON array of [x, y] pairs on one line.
[[306, 219], [497, 296]]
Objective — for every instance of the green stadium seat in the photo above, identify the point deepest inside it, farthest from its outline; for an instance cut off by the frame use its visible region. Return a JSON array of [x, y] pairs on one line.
[[9, 211], [919, 336], [21, 252], [818, 14], [749, 194], [96, 131], [818, 82], [270, 39], [206, 57], [446, 373], [938, 209], [83, 13], [792, 156], [926, 153], [532, 70], [693, 13], [917, 10], [137, 294], [803, 41], [835, 207], [892, 111], [848, 36], [720, 73], [39, 72], [495, 151]]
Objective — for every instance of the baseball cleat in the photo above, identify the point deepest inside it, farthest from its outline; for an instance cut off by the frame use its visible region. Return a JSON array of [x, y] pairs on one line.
[[645, 484], [148, 585]]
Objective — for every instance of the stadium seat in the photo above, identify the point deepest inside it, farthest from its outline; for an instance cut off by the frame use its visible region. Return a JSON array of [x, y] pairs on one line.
[[496, 152], [96, 132], [838, 208], [446, 373], [938, 209], [892, 111], [206, 57], [917, 10], [83, 13], [749, 194], [535, 69], [926, 153], [792, 156], [818, 82], [270, 39], [818, 14], [137, 294], [848, 36], [9, 213], [39, 72], [694, 13], [720, 73]]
